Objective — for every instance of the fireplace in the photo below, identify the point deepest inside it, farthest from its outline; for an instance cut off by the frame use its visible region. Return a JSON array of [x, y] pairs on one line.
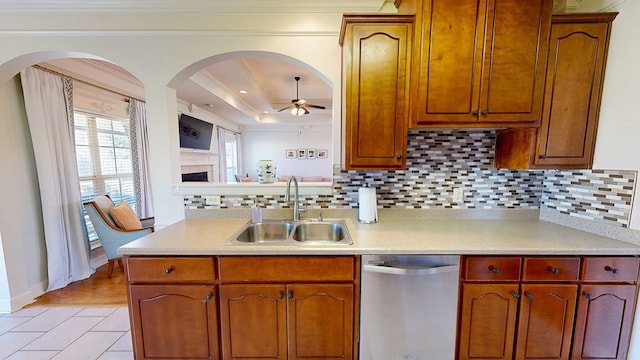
[[201, 176]]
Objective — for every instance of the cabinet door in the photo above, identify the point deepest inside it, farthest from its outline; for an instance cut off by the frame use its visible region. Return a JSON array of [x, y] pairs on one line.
[[321, 321], [253, 321], [163, 314], [513, 70], [487, 321], [546, 321], [572, 97], [603, 321], [376, 61], [481, 62], [450, 54]]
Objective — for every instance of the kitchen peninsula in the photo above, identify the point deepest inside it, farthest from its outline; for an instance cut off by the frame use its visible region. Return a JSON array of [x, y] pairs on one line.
[[190, 294]]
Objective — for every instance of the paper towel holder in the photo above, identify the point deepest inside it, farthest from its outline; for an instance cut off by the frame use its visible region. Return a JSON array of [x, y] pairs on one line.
[[370, 217]]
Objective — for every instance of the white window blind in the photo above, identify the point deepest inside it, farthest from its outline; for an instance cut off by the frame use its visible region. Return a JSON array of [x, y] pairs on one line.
[[103, 152]]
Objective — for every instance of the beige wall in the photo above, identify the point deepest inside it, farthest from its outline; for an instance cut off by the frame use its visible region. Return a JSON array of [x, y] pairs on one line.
[[159, 59], [20, 214], [618, 142]]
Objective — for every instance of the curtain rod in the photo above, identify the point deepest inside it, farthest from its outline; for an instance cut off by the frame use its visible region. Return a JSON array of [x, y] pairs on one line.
[[229, 130], [46, 69]]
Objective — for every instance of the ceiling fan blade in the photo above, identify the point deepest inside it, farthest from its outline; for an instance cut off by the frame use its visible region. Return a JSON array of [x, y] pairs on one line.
[[315, 106], [286, 108]]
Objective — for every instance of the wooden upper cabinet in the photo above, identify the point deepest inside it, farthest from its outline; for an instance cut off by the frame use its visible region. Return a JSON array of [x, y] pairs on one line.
[[376, 58], [575, 74], [480, 63]]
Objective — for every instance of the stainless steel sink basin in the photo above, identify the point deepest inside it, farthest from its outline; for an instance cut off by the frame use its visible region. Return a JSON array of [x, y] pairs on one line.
[[266, 232], [285, 232], [319, 231]]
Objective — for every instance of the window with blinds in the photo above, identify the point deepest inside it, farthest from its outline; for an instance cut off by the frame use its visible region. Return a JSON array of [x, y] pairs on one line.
[[103, 153]]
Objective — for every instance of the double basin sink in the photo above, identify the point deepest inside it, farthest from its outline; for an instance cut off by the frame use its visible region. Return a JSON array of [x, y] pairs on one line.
[[287, 232]]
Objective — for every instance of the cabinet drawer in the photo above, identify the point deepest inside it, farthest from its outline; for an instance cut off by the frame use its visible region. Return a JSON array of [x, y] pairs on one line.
[[171, 269], [286, 268], [551, 269], [492, 269], [610, 269]]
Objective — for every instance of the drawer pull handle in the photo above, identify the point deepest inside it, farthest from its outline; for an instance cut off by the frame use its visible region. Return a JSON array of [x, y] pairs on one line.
[[515, 295], [281, 295], [553, 270], [609, 268], [586, 295], [528, 295], [209, 297], [168, 270], [493, 269]]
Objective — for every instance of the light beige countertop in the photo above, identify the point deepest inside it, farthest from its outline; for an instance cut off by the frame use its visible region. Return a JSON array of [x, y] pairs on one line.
[[391, 236]]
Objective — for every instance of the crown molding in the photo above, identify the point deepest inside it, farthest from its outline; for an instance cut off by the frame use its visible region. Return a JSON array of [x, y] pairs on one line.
[[257, 6]]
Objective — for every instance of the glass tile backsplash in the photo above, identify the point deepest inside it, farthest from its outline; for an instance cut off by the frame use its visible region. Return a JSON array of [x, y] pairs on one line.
[[439, 161]]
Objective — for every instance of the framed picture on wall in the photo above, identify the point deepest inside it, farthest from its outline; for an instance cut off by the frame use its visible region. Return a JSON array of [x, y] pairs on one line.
[[322, 153], [311, 154], [290, 154], [302, 154]]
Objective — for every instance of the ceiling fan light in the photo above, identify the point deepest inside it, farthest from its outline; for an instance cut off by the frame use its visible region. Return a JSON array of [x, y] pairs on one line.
[[297, 111]]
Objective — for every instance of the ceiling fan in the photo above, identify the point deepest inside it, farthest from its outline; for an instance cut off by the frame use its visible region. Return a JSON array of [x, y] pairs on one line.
[[299, 106]]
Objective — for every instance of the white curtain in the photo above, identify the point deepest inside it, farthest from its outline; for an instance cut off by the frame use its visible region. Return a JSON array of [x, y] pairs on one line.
[[241, 168], [222, 155], [140, 157], [47, 99]]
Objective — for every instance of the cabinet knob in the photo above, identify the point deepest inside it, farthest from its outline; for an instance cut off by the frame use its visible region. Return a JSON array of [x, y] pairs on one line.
[[528, 295], [543, 156], [493, 269], [475, 112], [553, 270], [515, 295], [399, 157], [586, 295], [281, 295], [612, 269], [209, 297], [168, 270], [485, 112], [290, 295]]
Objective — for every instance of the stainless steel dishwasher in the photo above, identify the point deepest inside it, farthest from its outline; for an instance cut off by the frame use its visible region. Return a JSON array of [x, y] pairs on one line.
[[408, 307]]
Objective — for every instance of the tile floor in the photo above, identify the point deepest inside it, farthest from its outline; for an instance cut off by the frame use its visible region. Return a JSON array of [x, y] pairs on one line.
[[66, 333]]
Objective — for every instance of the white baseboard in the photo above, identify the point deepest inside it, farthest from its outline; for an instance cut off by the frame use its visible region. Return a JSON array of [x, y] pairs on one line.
[[16, 303]]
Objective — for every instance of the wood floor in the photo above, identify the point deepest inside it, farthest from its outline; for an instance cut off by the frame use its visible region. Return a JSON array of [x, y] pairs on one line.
[[98, 290]]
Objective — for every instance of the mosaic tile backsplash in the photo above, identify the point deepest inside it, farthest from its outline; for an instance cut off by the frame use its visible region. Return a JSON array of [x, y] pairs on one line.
[[600, 195], [439, 161]]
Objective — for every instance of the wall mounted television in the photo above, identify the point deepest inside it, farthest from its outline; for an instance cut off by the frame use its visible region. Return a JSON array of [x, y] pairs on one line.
[[195, 133]]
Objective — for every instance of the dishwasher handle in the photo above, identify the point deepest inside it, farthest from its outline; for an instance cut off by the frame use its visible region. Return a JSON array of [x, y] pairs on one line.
[[406, 269]]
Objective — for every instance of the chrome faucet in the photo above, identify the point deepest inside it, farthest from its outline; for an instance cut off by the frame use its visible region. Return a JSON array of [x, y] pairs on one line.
[[296, 202]]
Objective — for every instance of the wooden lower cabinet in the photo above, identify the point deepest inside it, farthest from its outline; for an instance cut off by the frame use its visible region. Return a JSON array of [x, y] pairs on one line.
[[603, 321], [545, 321], [547, 308], [488, 320], [174, 321], [490, 328], [287, 321]]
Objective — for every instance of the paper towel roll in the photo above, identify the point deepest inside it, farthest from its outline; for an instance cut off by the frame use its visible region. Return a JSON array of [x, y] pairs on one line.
[[367, 205]]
